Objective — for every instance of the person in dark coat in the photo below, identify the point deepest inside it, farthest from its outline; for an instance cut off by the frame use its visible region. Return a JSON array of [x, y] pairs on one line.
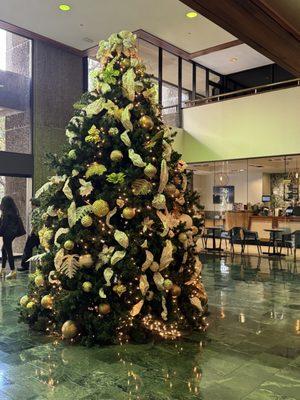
[[31, 242], [11, 226]]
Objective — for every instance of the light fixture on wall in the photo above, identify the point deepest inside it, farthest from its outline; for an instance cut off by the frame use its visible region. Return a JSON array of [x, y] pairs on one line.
[[191, 14], [222, 179], [64, 7]]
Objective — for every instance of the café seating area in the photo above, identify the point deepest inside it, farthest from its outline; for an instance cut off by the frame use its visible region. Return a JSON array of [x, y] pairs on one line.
[[280, 241]]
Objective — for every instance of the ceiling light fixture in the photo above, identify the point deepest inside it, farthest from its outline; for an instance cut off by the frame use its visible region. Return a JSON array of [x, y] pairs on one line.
[[191, 14], [64, 7], [233, 59]]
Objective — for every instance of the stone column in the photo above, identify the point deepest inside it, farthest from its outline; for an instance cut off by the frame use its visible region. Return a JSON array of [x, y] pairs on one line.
[[57, 86]]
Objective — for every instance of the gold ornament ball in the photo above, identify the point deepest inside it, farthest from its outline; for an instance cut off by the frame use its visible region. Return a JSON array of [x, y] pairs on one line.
[[150, 171], [116, 155], [176, 290], [146, 122], [182, 237], [168, 284], [30, 305], [104, 308], [170, 189], [128, 213], [47, 301], [100, 208], [39, 280], [86, 221], [24, 300], [87, 287], [69, 245], [86, 261], [69, 329]]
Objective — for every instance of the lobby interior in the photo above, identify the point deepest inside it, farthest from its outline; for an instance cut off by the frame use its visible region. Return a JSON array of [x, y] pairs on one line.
[[228, 84]]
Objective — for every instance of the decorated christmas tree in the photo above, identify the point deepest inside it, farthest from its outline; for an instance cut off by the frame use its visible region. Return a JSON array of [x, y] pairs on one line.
[[117, 223]]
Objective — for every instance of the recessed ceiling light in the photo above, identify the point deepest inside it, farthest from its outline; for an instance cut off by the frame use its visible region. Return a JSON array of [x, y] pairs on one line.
[[191, 14], [64, 7], [233, 59]]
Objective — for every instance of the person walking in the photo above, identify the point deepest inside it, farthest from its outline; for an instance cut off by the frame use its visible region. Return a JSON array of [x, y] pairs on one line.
[[11, 226]]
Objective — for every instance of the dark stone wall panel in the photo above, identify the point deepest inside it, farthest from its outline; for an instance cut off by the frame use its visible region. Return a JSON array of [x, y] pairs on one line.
[[57, 86]]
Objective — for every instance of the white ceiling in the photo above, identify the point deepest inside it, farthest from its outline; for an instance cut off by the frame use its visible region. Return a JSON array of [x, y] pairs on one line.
[[97, 19], [221, 61]]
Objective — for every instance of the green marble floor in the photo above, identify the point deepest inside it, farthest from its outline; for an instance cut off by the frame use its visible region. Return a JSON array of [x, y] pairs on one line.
[[251, 350]]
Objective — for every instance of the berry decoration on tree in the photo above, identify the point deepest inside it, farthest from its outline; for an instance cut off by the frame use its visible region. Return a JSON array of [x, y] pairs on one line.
[[117, 224]]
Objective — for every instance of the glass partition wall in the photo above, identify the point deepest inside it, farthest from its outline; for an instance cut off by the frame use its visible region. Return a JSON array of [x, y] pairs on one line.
[[255, 194], [16, 160], [179, 80]]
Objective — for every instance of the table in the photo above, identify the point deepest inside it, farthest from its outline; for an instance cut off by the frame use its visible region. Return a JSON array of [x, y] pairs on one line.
[[273, 232], [214, 229]]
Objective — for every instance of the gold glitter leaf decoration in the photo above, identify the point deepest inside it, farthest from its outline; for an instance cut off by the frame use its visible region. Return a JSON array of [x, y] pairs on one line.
[[136, 308], [141, 187], [136, 158], [128, 84], [121, 238], [164, 176]]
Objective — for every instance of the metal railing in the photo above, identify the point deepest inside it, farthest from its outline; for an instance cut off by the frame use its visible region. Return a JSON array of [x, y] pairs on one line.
[[243, 92]]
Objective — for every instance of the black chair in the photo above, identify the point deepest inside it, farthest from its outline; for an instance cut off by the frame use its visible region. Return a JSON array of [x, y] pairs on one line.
[[251, 238], [296, 242], [285, 240], [235, 237]]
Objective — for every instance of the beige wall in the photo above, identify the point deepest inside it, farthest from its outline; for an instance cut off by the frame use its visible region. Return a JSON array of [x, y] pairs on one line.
[[259, 125], [245, 191]]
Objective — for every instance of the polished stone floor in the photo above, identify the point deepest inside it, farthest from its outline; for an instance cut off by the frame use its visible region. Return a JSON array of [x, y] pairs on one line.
[[251, 350]]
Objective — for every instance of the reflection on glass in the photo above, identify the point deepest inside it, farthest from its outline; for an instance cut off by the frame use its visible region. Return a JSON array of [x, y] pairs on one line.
[[187, 75], [92, 66], [15, 92], [149, 55], [200, 82]]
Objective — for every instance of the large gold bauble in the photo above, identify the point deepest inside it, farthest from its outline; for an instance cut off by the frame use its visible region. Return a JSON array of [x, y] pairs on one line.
[[146, 122], [47, 301], [116, 155], [69, 245], [39, 280], [69, 329], [100, 208], [87, 287], [86, 261], [128, 212], [104, 308], [86, 221], [24, 300], [168, 284], [176, 290], [170, 189]]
